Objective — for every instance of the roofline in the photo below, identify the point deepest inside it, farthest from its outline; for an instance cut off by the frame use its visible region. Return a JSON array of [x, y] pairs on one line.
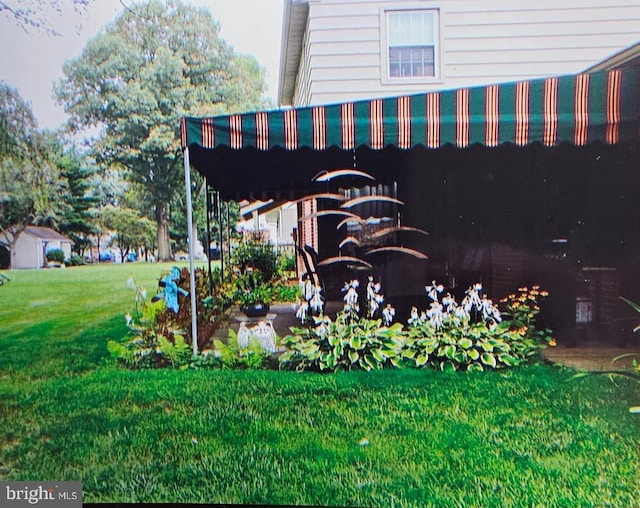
[[620, 59], [59, 238], [294, 21]]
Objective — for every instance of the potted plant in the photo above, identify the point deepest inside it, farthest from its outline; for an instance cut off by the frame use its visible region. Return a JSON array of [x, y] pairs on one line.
[[253, 295]]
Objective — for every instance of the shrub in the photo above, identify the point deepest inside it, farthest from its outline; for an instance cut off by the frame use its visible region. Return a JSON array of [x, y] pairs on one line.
[[75, 260], [286, 262], [473, 335], [258, 255], [55, 256], [160, 337], [232, 356], [285, 292], [147, 346]]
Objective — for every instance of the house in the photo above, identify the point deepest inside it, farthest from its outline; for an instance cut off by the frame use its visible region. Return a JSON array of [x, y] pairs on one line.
[[31, 248], [276, 221], [336, 51], [522, 170]]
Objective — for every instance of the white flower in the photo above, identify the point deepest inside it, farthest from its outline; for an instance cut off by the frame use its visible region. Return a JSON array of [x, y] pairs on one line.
[[449, 303], [462, 313], [131, 283], [489, 311], [316, 303], [414, 317], [351, 296], [388, 313], [472, 300], [433, 290], [374, 298], [307, 290], [323, 326], [128, 319], [301, 313], [435, 314]]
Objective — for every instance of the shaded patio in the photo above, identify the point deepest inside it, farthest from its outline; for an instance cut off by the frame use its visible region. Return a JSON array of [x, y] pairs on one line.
[[524, 183]]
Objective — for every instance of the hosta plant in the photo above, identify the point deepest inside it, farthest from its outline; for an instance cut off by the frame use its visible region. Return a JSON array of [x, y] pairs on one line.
[[471, 335], [349, 342]]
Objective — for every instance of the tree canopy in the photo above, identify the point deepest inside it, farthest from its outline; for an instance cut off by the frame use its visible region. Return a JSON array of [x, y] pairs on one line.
[[152, 65], [29, 178]]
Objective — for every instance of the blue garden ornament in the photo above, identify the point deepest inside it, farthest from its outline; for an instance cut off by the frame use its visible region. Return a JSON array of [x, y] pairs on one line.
[[171, 290]]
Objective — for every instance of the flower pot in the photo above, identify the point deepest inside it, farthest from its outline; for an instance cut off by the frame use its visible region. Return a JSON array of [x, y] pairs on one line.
[[255, 309]]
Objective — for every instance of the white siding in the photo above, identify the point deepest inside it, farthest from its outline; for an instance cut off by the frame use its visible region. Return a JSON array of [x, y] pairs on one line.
[[28, 252], [482, 42]]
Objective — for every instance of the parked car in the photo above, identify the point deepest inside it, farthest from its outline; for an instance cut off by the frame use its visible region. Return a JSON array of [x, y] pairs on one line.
[[107, 257]]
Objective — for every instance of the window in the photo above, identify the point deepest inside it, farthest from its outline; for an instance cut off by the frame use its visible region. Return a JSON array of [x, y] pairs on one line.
[[412, 50]]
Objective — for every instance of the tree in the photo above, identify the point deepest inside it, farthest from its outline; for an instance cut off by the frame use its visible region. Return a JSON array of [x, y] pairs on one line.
[[29, 181], [17, 124], [77, 221], [131, 232], [154, 64]]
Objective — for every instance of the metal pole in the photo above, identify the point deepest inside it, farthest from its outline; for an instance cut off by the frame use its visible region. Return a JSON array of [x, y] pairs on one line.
[[228, 230], [192, 271], [208, 205], [218, 206]]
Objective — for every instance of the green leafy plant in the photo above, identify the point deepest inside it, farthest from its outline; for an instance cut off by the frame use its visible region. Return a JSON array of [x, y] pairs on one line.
[[251, 290], [286, 263], [75, 260], [232, 356], [156, 337], [55, 256], [349, 342], [148, 345], [343, 344], [257, 256], [473, 335], [285, 292]]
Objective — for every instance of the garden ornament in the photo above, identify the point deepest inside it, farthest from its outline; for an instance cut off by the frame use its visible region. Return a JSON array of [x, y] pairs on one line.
[[171, 290]]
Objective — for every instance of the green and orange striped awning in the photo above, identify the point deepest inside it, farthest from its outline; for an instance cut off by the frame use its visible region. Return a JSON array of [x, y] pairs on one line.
[[579, 109]]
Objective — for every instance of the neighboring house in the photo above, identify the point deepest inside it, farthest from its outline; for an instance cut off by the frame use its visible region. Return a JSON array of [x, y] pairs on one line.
[[34, 243], [278, 221], [345, 50]]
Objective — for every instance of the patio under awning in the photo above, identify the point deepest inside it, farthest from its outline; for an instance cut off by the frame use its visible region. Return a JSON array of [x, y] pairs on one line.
[[274, 154]]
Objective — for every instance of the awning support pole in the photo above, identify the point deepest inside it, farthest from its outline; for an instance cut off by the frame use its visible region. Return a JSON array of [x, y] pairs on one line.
[[208, 205], [218, 211], [192, 272]]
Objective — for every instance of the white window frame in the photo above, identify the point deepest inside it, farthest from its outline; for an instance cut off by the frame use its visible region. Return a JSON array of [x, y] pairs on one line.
[[386, 78]]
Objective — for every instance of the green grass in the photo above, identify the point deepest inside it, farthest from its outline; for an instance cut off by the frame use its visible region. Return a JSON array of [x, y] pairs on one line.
[[527, 437]]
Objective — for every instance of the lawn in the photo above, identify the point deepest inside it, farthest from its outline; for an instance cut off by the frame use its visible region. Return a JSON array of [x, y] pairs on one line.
[[531, 436]]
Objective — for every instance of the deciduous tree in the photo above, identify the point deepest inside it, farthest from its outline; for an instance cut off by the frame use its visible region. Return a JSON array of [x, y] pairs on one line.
[[155, 63], [29, 180]]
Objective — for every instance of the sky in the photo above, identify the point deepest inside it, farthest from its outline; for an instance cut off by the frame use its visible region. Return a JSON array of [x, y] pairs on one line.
[[31, 61]]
